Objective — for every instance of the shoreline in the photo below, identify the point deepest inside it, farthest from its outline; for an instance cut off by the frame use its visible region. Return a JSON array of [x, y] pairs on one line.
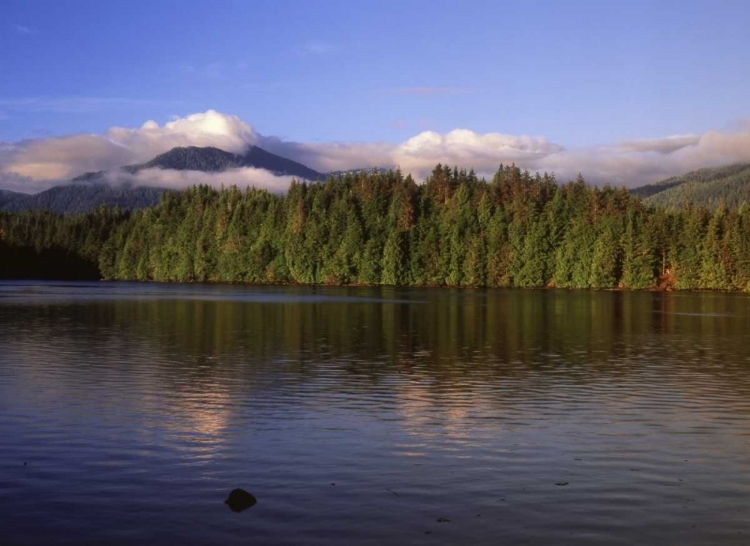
[[401, 286]]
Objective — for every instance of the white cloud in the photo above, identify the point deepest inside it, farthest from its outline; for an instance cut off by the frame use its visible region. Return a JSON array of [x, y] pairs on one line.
[[646, 161], [419, 154], [242, 178], [209, 128], [631, 163], [32, 165], [663, 145], [63, 158], [464, 146]]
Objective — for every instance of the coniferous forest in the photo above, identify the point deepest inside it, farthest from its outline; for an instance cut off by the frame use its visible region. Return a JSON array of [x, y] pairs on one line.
[[516, 230]]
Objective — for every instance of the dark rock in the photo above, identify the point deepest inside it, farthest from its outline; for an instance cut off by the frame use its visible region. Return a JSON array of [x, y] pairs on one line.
[[240, 500], [443, 520], [561, 483]]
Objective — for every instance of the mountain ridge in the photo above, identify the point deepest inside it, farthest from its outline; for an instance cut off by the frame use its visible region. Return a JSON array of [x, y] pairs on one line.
[[79, 198], [212, 159], [90, 190], [707, 187]]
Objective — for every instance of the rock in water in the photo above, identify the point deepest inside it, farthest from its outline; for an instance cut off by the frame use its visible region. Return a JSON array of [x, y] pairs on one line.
[[240, 500]]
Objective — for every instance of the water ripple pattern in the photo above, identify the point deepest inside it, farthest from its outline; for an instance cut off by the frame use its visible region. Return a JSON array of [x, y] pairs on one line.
[[372, 416]]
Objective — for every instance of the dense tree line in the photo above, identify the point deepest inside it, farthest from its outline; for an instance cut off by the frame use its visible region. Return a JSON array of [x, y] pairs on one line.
[[516, 230], [48, 245]]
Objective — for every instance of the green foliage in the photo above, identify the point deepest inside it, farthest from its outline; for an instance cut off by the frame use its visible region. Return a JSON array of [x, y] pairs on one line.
[[638, 261], [41, 244], [81, 198], [710, 188], [519, 230]]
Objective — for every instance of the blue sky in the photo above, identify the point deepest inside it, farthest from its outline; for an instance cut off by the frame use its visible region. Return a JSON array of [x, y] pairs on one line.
[[581, 74]]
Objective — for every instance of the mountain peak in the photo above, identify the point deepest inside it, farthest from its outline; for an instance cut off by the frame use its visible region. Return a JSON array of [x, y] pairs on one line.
[[210, 159], [190, 158]]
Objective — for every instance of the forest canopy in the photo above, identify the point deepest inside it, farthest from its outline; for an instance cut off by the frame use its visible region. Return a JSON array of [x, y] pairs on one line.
[[515, 230]]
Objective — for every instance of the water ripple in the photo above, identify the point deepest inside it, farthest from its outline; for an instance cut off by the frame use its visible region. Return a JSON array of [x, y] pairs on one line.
[[364, 416]]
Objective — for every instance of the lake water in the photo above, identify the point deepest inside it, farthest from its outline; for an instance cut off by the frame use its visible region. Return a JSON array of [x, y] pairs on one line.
[[363, 416]]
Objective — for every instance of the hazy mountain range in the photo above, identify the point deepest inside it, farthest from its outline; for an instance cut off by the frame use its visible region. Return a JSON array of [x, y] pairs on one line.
[[211, 159], [91, 189], [81, 197], [704, 187]]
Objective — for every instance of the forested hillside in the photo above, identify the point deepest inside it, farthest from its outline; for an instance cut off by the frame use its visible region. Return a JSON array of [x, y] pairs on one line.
[[81, 198], [517, 230], [7, 198], [710, 188]]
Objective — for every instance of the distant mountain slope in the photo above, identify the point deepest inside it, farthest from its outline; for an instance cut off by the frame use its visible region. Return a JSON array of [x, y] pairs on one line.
[[191, 158], [211, 159], [261, 159], [372, 170], [7, 198], [78, 198], [89, 190], [704, 187]]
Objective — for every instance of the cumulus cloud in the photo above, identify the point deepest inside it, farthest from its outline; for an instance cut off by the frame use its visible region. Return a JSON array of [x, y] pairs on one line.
[[631, 163], [62, 158], [33, 165], [419, 154], [210, 128], [479, 151]]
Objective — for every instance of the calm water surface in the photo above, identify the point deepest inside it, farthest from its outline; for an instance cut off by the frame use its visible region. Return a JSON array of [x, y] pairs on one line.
[[363, 416]]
